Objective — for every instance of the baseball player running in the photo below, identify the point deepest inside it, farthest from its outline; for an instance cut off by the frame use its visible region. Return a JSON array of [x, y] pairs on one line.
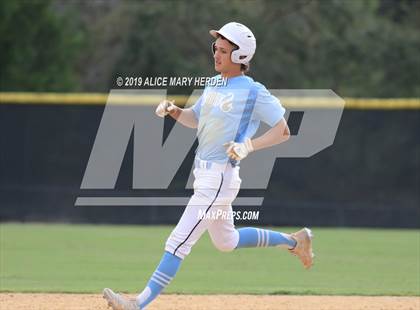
[[226, 118]]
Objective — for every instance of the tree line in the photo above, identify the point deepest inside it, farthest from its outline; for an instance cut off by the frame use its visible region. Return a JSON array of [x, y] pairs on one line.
[[360, 48]]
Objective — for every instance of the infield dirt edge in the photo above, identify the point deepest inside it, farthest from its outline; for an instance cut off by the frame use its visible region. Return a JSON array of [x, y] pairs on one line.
[[56, 301]]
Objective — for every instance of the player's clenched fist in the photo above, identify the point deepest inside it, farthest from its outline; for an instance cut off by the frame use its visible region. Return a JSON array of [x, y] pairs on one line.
[[164, 108], [238, 151]]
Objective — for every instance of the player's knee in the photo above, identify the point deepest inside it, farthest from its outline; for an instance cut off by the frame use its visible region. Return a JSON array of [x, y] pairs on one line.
[[225, 245]]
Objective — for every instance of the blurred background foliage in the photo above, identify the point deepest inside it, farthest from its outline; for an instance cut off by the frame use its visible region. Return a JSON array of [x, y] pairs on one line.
[[359, 48]]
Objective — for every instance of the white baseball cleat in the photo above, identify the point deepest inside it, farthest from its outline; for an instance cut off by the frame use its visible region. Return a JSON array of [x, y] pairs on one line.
[[119, 302], [303, 248]]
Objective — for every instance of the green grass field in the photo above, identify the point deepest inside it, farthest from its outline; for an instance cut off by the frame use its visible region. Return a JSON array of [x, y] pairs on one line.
[[86, 258]]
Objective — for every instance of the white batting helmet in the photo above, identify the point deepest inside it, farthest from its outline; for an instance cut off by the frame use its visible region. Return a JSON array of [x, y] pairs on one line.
[[240, 35]]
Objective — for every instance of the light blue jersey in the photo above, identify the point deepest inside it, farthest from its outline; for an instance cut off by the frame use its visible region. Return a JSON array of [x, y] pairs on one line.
[[232, 113]]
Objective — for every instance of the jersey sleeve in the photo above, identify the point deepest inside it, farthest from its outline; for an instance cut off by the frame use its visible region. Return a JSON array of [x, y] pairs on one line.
[[197, 107], [267, 108]]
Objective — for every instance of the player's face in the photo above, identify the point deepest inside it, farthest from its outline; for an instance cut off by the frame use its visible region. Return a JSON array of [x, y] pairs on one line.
[[222, 60]]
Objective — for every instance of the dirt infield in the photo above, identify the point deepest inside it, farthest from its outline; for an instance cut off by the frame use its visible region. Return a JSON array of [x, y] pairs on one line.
[[13, 301]]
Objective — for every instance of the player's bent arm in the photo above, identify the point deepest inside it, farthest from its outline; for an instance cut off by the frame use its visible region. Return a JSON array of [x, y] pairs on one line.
[[185, 116], [275, 135]]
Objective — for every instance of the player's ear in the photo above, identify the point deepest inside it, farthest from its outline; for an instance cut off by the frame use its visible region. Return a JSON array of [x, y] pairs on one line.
[[213, 47]]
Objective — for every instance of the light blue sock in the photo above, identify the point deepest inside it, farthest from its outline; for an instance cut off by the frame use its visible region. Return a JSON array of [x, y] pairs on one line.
[[250, 237], [163, 275]]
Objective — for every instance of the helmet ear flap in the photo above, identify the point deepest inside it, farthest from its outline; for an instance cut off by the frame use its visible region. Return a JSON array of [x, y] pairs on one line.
[[238, 58], [235, 56], [213, 47]]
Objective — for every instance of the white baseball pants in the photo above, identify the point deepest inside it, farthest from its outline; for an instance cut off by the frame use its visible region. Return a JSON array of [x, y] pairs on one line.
[[215, 188]]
